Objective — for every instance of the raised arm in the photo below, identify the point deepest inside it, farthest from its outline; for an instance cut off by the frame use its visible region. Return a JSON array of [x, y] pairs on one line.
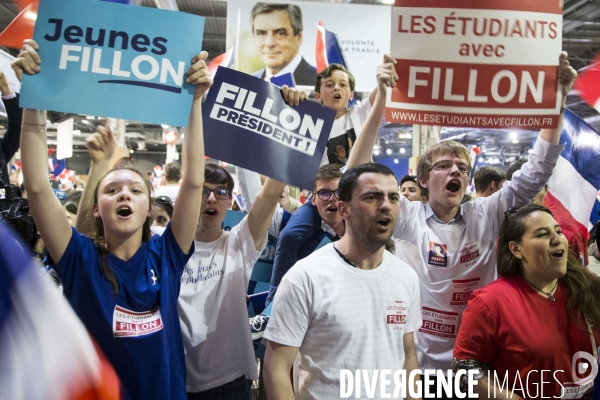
[[101, 146], [189, 198], [261, 213], [566, 79], [48, 213], [278, 363], [365, 141]]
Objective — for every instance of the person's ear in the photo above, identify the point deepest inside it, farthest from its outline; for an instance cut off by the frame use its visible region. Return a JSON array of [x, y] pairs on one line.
[[313, 199], [318, 97], [96, 211], [300, 37], [351, 95], [515, 249], [343, 209], [423, 183]]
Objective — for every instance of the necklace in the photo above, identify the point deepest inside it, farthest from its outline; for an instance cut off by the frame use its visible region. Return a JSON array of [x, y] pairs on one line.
[[549, 294]]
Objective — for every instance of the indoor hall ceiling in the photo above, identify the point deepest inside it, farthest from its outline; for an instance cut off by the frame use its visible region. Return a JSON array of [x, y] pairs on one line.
[[581, 39]]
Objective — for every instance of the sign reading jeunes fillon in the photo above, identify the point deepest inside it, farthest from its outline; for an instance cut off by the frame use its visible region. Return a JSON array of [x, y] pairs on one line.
[[247, 123], [476, 64], [114, 60]]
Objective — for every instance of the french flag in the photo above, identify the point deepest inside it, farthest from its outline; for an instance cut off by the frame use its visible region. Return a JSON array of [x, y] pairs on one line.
[[574, 184], [327, 49], [226, 59], [587, 84], [46, 352]]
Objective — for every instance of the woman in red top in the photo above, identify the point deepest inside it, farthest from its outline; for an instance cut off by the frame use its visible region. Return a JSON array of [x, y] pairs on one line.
[[523, 331]]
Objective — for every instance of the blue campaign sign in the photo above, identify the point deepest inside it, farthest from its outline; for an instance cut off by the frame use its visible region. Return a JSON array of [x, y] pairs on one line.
[[247, 123], [114, 60]]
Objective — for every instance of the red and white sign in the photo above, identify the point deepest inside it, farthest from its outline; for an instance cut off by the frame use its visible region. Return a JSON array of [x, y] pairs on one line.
[[439, 323], [476, 64], [130, 323]]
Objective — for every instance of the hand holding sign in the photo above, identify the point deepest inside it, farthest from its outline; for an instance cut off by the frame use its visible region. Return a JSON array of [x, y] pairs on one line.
[[199, 74], [28, 59], [566, 75], [386, 73], [293, 96]]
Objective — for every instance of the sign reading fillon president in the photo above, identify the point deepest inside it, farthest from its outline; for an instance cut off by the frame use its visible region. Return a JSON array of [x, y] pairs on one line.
[[115, 60], [476, 63], [247, 123]]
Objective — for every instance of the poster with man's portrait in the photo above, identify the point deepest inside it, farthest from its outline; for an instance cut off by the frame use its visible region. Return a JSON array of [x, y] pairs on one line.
[[279, 39]]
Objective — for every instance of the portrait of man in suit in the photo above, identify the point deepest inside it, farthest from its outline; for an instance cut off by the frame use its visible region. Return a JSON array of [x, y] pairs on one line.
[[277, 32]]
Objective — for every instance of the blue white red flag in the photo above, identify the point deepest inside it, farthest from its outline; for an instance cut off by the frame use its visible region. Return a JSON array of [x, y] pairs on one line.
[[46, 351], [574, 184], [587, 84], [327, 49]]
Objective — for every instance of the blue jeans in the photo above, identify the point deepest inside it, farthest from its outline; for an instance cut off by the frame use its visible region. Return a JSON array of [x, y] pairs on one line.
[[235, 390]]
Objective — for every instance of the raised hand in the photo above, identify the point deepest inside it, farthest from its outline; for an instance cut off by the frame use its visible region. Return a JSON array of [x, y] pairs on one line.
[[28, 60], [386, 73], [198, 74], [293, 96], [566, 73], [101, 145]]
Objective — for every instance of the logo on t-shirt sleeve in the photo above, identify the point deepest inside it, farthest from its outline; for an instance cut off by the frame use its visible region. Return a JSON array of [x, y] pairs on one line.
[[438, 254], [131, 323]]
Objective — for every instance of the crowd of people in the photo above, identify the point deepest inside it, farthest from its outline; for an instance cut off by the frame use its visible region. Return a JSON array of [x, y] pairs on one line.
[[415, 276]]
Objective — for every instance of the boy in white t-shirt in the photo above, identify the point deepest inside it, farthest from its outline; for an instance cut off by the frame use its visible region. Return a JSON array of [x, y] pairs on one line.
[[212, 304], [350, 305]]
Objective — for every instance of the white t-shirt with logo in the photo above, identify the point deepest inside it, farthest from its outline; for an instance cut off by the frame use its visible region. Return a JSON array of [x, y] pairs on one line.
[[454, 259], [212, 310], [353, 119], [342, 317]]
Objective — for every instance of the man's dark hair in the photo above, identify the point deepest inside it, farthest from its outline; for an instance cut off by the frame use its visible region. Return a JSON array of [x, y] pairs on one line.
[[172, 172], [514, 167], [486, 175], [294, 12], [349, 179], [218, 175], [408, 178], [327, 72]]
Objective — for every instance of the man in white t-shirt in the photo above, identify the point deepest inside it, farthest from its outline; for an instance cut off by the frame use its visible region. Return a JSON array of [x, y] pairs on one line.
[[350, 305], [451, 247], [212, 303]]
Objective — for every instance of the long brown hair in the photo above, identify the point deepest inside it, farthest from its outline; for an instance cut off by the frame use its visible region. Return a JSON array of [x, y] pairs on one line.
[[583, 286], [98, 229]]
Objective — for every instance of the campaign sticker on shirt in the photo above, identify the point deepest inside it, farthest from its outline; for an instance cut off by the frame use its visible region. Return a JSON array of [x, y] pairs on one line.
[[462, 290], [396, 312], [438, 254], [439, 323], [131, 323]]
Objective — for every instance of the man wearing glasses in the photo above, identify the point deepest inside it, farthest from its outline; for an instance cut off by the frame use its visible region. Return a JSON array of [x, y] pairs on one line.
[[299, 237], [467, 233], [219, 354]]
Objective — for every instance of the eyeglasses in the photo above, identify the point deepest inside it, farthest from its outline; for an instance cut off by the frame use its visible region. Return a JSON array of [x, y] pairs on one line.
[[325, 194], [220, 194], [446, 166], [163, 200]]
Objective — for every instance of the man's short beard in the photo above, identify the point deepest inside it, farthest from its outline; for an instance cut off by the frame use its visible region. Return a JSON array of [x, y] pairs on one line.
[[368, 243]]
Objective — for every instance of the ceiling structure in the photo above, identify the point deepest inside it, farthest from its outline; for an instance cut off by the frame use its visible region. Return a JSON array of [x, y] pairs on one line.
[[581, 39]]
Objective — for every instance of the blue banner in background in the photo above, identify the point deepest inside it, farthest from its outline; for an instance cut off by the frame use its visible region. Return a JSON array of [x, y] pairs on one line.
[[247, 123], [101, 58]]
